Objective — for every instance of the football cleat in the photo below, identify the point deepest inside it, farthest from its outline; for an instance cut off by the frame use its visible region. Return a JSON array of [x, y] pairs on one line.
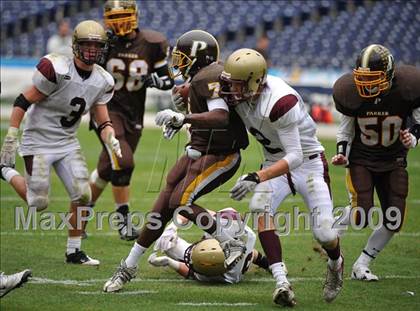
[[333, 282], [283, 295], [80, 258], [126, 233], [234, 250], [123, 275], [362, 273], [10, 282]]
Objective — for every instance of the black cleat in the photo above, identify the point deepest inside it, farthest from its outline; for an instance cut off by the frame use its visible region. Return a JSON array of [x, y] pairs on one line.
[[80, 258]]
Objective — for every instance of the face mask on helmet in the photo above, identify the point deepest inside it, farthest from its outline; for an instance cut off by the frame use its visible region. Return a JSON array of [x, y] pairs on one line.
[[374, 71], [180, 64], [90, 42], [233, 91], [121, 16]]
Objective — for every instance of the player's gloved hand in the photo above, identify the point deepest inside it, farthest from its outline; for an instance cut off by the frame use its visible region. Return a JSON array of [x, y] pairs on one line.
[[153, 80], [408, 139], [158, 261], [114, 144], [340, 160], [244, 184], [169, 131], [168, 239], [8, 150], [169, 117], [178, 102]]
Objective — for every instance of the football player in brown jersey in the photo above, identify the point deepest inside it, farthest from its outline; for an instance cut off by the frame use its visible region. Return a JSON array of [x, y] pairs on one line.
[[376, 103], [136, 60], [212, 156]]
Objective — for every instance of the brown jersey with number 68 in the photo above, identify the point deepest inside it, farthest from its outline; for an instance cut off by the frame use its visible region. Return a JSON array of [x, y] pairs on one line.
[[378, 120]]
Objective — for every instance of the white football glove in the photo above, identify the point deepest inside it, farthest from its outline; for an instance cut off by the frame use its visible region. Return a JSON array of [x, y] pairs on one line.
[[114, 145], [167, 240], [408, 139], [169, 117], [244, 184], [178, 102], [169, 131], [8, 150], [158, 261]]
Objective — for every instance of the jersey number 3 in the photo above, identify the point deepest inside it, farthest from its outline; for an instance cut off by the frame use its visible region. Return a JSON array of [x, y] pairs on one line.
[[377, 131], [75, 115]]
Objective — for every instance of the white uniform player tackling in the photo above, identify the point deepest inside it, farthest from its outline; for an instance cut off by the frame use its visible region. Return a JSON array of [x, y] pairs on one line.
[[204, 260], [294, 162], [63, 90]]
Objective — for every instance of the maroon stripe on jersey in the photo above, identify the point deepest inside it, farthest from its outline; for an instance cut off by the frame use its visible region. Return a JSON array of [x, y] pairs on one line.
[[47, 69], [326, 174], [282, 106]]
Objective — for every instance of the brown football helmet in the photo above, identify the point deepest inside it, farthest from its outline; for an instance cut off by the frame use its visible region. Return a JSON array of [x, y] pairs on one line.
[[121, 16]]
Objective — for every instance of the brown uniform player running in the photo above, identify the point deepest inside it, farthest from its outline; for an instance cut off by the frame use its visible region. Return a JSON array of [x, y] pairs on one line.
[[212, 156], [374, 136], [136, 60]]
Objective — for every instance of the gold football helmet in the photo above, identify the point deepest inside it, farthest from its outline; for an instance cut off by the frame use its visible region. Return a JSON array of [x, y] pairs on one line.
[[243, 77], [374, 71], [90, 42], [121, 16], [206, 257]]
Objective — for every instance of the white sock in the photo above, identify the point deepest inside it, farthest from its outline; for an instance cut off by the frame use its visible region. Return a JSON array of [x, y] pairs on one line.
[[8, 173], [73, 243], [335, 264], [376, 242], [133, 258], [277, 269]]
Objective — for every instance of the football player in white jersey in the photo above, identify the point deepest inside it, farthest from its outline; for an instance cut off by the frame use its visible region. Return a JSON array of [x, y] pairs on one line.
[[204, 259], [64, 88], [294, 162]]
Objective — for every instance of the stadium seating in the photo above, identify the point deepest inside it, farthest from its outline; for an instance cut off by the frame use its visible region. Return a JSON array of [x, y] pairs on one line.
[[312, 34]]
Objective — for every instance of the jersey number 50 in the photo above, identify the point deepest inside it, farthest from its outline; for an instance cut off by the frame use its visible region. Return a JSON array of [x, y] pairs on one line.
[[375, 131], [137, 70]]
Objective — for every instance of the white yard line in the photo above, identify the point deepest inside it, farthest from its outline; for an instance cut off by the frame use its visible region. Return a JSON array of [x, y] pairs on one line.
[[47, 281], [216, 304], [135, 292]]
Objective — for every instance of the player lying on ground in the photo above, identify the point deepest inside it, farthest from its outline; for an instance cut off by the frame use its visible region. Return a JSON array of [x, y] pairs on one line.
[[294, 163], [204, 259], [137, 60], [212, 155], [380, 122], [64, 88]]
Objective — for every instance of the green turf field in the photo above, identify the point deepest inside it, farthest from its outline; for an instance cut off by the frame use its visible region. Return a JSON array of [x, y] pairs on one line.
[[57, 286]]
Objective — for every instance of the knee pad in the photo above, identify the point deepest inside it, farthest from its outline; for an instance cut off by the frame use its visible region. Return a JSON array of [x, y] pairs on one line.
[[121, 178], [323, 230], [96, 180], [40, 202], [262, 198]]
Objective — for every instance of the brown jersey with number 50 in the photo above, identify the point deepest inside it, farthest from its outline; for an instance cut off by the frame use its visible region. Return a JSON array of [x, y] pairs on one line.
[[376, 143], [129, 61], [205, 85]]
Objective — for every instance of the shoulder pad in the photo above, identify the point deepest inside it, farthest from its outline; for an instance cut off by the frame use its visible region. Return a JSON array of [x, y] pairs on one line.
[[407, 78], [345, 95], [60, 63], [105, 74], [152, 36], [209, 73]]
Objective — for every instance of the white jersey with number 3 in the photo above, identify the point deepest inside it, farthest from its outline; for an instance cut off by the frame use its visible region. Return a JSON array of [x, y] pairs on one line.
[[51, 124], [278, 107]]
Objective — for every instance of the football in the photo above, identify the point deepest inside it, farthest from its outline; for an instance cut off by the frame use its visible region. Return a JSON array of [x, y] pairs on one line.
[[184, 90]]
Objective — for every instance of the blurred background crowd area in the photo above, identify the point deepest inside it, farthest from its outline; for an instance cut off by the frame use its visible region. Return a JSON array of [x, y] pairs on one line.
[[308, 43]]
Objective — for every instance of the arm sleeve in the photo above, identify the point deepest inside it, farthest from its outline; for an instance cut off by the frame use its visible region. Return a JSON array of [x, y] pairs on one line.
[[216, 103], [290, 140]]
